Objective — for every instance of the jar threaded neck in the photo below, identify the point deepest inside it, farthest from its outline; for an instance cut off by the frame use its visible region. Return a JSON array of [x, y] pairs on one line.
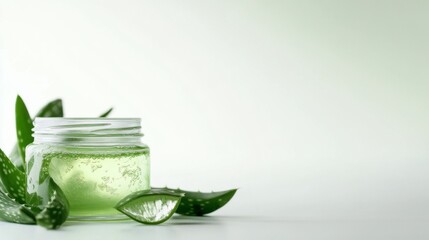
[[87, 131]]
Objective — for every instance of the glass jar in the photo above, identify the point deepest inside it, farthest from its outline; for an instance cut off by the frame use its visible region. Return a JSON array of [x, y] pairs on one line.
[[95, 161]]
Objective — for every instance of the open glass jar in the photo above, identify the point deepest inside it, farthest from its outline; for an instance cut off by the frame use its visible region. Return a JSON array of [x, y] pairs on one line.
[[95, 161]]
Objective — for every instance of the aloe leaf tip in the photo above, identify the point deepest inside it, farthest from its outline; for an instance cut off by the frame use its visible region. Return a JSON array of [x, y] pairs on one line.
[[105, 114]]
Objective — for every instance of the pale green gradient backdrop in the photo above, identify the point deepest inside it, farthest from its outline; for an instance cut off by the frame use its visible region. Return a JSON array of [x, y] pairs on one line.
[[316, 109]]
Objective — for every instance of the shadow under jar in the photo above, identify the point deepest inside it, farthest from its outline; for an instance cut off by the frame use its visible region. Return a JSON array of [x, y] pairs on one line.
[[95, 161]]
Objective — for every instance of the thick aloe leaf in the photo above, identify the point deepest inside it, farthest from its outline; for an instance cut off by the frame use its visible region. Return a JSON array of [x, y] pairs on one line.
[[150, 206], [51, 109], [24, 126], [55, 213], [13, 179], [13, 211], [106, 113], [200, 203]]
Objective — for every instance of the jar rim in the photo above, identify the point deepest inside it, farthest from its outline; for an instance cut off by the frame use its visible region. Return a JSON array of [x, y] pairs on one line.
[[85, 118], [83, 131]]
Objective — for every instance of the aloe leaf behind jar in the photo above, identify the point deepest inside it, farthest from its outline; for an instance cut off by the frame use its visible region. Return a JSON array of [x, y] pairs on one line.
[[106, 114], [24, 126], [51, 109]]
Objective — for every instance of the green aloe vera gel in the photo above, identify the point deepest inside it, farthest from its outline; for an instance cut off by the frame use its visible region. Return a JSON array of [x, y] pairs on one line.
[[96, 162]]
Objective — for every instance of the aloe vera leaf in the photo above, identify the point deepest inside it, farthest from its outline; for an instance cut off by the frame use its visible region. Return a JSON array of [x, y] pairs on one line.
[[24, 126], [105, 114], [201, 203], [13, 179], [56, 211], [13, 211], [2, 187], [150, 206], [51, 109], [15, 157]]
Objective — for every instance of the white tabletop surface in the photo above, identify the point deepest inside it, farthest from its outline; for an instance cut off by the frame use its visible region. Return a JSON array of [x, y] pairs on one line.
[[224, 227]]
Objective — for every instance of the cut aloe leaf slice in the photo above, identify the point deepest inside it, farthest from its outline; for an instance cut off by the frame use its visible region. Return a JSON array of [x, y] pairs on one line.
[[150, 206], [55, 213], [24, 126], [13, 211], [200, 203], [105, 114], [51, 109], [13, 179]]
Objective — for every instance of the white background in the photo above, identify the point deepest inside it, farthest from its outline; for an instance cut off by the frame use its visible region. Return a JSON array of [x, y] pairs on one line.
[[316, 110]]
